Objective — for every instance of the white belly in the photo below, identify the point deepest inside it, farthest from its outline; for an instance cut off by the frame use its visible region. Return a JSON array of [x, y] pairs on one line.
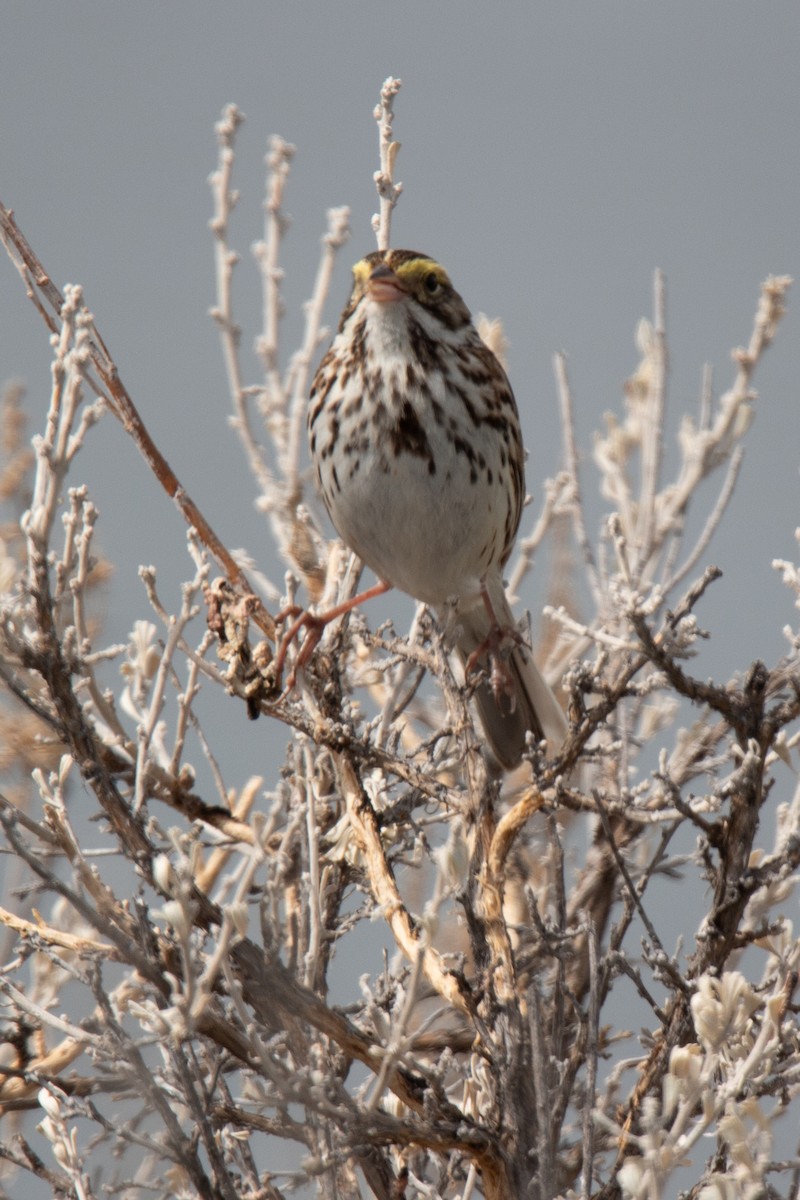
[[434, 534]]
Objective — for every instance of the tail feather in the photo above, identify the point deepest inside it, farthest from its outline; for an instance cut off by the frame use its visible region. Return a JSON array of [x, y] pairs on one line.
[[531, 706]]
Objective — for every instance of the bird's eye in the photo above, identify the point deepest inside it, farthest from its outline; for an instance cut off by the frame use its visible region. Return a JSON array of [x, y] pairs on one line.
[[431, 283]]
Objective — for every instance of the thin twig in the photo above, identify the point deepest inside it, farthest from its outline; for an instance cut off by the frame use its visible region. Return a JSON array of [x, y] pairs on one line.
[[571, 464], [388, 190], [653, 427], [50, 304]]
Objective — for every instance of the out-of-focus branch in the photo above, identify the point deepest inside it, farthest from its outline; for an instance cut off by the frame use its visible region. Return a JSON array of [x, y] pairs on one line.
[[49, 302], [336, 236], [225, 259]]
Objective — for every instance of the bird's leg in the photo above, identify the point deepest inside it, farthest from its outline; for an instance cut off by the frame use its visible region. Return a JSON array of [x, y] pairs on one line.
[[496, 646], [314, 624]]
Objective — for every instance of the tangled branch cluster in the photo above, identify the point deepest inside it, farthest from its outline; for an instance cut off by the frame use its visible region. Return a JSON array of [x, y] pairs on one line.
[[387, 971]]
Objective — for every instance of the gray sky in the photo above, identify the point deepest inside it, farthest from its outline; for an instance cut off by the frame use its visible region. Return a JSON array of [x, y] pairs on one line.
[[553, 156]]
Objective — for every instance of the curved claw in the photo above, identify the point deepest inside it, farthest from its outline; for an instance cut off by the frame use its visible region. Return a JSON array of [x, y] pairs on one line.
[[314, 624], [496, 646], [501, 678]]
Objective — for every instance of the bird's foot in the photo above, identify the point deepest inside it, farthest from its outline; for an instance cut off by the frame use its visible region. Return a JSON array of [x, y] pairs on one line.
[[496, 646], [314, 624]]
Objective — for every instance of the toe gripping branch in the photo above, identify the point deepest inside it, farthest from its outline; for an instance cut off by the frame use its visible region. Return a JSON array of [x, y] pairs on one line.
[[496, 646], [314, 625]]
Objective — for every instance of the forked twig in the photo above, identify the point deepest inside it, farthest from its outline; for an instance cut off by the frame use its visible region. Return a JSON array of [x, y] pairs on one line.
[[49, 302]]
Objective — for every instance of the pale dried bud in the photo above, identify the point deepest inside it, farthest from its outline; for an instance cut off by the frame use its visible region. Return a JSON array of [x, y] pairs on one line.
[[685, 1062], [680, 1083], [143, 657], [722, 1009], [163, 874], [239, 915], [630, 1177], [174, 913], [50, 1104], [490, 330]]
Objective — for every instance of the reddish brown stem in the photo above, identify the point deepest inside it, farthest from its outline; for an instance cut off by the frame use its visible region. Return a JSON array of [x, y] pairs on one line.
[[314, 624], [49, 302]]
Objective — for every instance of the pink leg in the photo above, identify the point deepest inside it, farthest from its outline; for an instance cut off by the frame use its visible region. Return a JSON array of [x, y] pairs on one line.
[[314, 624], [500, 677]]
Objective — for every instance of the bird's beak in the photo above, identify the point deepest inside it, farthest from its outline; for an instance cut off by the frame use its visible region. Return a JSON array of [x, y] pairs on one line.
[[384, 286]]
